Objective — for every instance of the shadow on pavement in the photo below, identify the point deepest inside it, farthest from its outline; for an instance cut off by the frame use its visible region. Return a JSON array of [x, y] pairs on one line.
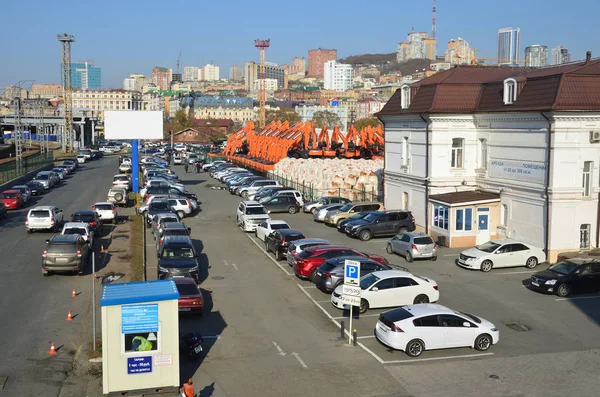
[[207, 391], [204, 265]]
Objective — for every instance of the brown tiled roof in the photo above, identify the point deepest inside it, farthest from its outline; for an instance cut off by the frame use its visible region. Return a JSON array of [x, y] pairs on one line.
[[215, 122], [470, 89], [464, 197]]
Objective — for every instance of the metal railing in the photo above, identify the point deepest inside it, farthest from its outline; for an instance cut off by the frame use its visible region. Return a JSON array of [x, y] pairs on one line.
[[8, 171]]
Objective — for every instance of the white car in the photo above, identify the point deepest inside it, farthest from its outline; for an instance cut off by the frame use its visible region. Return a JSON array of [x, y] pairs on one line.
[[81, 159], [290, 192], [416, 328], [390, 288], [125, 167], [208, 166], [81, 228], [501, 253], [267, 227], [106, 210], [319, 214], [44, 218], [122, 180], [177, 160], [250, 214]]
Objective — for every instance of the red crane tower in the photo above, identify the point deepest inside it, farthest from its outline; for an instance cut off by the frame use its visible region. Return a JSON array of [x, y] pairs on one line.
[[262, 94]]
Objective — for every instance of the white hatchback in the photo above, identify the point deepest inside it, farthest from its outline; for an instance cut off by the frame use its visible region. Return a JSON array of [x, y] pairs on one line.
[[106, 210], [416, 328], [267, 227], [501, 253]]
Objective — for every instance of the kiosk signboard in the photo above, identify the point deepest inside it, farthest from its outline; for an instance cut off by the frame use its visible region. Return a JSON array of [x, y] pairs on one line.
[[139, 318]]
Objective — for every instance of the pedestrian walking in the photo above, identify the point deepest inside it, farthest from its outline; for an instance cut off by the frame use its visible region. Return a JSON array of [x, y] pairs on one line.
[[198, 167], [188, 389], [186, 166]]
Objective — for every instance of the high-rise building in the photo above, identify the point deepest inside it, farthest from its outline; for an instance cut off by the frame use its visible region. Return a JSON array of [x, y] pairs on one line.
[[235, 73], [417, 46], [190, 73], [250, 74], [337, 76], [271, 85], [273, 71], [560, 55], [129, 84], [85, 75], [177, 78], [317, 59], [162, 77], [536, 56], [298, 66], [508, 46], [210, 72], [459, 52]]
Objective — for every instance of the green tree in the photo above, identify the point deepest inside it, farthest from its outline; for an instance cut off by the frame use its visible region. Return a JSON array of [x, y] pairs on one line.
[[325, 117], [182, 120], [283, 114], [369, 121]]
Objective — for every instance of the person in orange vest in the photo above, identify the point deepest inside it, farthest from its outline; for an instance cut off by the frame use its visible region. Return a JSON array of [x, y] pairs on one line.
[[188, 389]]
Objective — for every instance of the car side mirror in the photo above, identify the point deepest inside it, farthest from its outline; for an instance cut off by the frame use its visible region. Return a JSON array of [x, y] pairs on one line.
[[467, 324], [374, 289], [189, 229], [47, 241]]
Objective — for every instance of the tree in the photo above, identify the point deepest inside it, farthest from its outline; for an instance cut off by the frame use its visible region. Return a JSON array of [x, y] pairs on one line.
[[325, 117], [369, 121], [182, 120], [283, 114]]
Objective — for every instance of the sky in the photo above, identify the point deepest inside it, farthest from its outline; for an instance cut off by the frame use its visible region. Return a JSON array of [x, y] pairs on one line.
[[133, 36]]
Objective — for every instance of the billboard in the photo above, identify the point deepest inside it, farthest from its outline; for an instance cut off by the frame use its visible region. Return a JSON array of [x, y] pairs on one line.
[[133, 124]]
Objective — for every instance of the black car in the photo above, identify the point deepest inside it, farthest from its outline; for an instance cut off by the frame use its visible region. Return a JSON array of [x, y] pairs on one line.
[[331, 273], [567, 277], [178, 258], [341, 226], [267, 192], [91, 218], [157, 207], [381, 223], [282, 204], [37, 189], [278, 241]]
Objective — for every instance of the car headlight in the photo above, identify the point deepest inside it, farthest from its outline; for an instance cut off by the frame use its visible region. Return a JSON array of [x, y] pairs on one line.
[[355, 227], [194, 269], [472, 259], [162, 269], [494, 329], [550, 282]]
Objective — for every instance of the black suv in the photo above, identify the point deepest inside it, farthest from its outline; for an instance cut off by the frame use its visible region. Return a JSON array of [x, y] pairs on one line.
[[178, 258], [65, 253], [170, 229], [567, 277], [278, 241], [381, 223], [91, 218]]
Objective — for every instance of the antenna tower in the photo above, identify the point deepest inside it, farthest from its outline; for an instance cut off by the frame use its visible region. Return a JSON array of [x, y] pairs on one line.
[[433, 20], [262, 94], [178, 61], [68, 138], [18, 132]]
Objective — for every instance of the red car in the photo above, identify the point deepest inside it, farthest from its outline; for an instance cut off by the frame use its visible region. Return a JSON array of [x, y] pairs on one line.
[[190, 296], [307, 261], [12, 199]]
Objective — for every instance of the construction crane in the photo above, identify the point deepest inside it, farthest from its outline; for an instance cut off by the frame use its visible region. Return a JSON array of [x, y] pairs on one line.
[[433, 20], [68, 136], [262, 94]]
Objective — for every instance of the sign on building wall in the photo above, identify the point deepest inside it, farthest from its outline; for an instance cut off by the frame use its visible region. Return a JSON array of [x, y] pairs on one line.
[[517, 170]]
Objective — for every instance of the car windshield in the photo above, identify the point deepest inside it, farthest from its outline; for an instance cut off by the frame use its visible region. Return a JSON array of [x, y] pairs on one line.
[[256, 210], [8, 195], [21, 189], [346, 208], [160, 206], [169, 219], [42, 177], [83, 217], [360, 215], [121, 178], [177, 252], [75, 230], [371, 217], [279, 226], [563, 267], [176, 232], [57, 169], [470, 316], [490, 246], [368, 280], [104, 207]]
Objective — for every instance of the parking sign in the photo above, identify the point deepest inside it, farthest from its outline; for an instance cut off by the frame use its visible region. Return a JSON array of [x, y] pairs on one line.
[[351, 272]]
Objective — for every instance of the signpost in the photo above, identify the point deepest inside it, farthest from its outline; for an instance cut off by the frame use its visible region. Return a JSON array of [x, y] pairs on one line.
[[351, 291]]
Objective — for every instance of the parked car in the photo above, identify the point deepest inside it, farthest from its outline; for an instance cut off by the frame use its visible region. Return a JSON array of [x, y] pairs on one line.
[[331, 273], [214, 164], [118, 196], [190, 296], [320, 214], [286, 193], [412, 245], [80, 228], [59, 172], [235, 187], [567, 277], [390, 288], [416, 328], [282, 204], [170, 229], [182, 206], [174, 191], [265, 192], [192, 158], [341, 226], [36, 188], [44, 218], [3, 210], [298, 246], [65, 253], [177, 160], [501, 253], [278, 242], [381, 224], [91, 218], [160, 220], [156, 207], [250, 214], [255, 186], [25, 192], [86, 153], [306, 262], [106, 210], [267, 227], [45, 178], [65, 169], [333, 217], [125, 168], [81, 159], [312, 206], [12, 199], [178, 258], [122, 180]]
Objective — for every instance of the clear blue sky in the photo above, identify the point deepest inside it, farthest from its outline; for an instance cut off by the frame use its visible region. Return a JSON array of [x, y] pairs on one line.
[[127, 36]]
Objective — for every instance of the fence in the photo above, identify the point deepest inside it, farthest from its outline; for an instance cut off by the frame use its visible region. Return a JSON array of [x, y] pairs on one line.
[[8, 171]]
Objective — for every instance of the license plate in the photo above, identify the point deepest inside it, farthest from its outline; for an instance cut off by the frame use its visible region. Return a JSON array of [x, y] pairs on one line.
[[62, 259], [534, 283], [198, 349], [184, 309]]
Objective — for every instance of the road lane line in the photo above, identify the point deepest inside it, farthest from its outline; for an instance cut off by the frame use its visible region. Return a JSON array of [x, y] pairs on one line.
[[577, 298], [375, 356], [323, 301], [309, 287], [235, 266], [269, 256], [357, 317], [436, 358], [279, 349], [299, 360], [365, 337]]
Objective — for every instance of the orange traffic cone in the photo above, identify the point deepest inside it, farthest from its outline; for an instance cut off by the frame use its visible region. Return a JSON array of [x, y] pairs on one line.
[[74, 293], [70, 316], [52, 349], [102, 248]]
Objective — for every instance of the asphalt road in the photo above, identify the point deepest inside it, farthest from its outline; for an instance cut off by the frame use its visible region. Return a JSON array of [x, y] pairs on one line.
[[33, 308]]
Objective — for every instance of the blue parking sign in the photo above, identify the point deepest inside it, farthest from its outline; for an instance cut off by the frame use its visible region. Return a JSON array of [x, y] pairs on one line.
[[351, 272]]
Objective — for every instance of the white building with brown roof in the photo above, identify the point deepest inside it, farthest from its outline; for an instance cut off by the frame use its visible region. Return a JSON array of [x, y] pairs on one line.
[[480, 153]]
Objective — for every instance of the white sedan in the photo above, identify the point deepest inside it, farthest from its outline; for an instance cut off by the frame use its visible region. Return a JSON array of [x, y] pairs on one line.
[[267, 227], [416, 328], [390, 288], [501, 253]]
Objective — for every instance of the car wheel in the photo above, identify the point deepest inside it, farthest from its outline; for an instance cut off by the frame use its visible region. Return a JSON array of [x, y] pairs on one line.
[[292, 210], [181, 214], [486, 266], [118, 197], [312, 276], [408, 256], [45, 273], [483, 342], [365, 235], [312, 210], [414, 348], [563, 290], [531, 262], [364, 306], [422, 298], [245, 195], [389, 249], [339, 221], [434, 258]]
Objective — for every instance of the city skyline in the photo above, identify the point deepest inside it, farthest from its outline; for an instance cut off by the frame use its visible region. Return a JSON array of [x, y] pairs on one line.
[[120, 54]]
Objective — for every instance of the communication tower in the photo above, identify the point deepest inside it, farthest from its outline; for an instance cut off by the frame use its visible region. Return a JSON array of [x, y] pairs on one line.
[[68, 136]]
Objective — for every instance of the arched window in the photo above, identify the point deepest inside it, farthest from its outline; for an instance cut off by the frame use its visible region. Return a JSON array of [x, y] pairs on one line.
[[405, 96], [510, 91]]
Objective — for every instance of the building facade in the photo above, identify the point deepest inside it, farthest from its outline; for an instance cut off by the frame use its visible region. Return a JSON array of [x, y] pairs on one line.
[[317, 59], [85, 75], [101, 100], [210, 72], [536, 56], [276, 72], [560, 55], [459, 52], [417, 46], [337, 76], [306, 113], [298, 66], [162, 77], [250, 74], [190, 73], [236, 73], [508, 46], [129, 84], [517, 157], [270, 85], [46, 91]]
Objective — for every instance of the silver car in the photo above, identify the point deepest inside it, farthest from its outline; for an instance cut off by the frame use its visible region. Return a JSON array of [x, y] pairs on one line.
[[319, 214], [312, 206], [412, 245], [298, 246]]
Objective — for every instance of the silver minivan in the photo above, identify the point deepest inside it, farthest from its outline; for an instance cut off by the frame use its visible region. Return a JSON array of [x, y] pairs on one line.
[[412, 245]]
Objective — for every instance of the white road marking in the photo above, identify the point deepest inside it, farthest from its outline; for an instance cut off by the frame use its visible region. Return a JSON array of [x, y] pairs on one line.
[[456, 255], [279, 349], [375, 356], [521, 272], [212, 336], [269, 256], [299, 360], [357, 316], [577, 298], [323, 301], [309, 287], [235, 266], [436, 358], [365, 337]]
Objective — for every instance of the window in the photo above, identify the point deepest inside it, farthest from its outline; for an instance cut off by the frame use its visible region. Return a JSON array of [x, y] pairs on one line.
[[464, 219], [385, 284], [587, 178], [440, 216], [429, 321], [504, 214], [405, 96], [405, 151], [457, 152], [483, 154], [584, 236], [510, 91]]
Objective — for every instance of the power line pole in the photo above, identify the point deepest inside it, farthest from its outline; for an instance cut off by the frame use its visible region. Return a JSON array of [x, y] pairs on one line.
[[262, 94], [18, 132], [68, 138], [40, 125]]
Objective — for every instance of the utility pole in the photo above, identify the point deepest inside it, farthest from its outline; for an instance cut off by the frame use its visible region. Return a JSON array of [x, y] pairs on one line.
[[68, 138], [262, 94], [18, 132], [40, 124]]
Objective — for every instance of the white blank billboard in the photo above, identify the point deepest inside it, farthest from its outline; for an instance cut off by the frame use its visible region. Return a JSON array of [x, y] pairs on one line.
[[133, 124]]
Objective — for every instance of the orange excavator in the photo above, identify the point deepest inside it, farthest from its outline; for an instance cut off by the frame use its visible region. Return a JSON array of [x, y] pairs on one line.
[[318, 142]]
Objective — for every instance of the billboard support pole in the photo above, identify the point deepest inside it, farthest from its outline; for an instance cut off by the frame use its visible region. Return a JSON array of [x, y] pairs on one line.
[[135, 165]]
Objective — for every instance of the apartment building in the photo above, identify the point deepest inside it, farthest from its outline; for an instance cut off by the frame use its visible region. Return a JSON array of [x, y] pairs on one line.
[[101, 100], [46, 91], [337, 76], [317, 59], [162, 77]]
